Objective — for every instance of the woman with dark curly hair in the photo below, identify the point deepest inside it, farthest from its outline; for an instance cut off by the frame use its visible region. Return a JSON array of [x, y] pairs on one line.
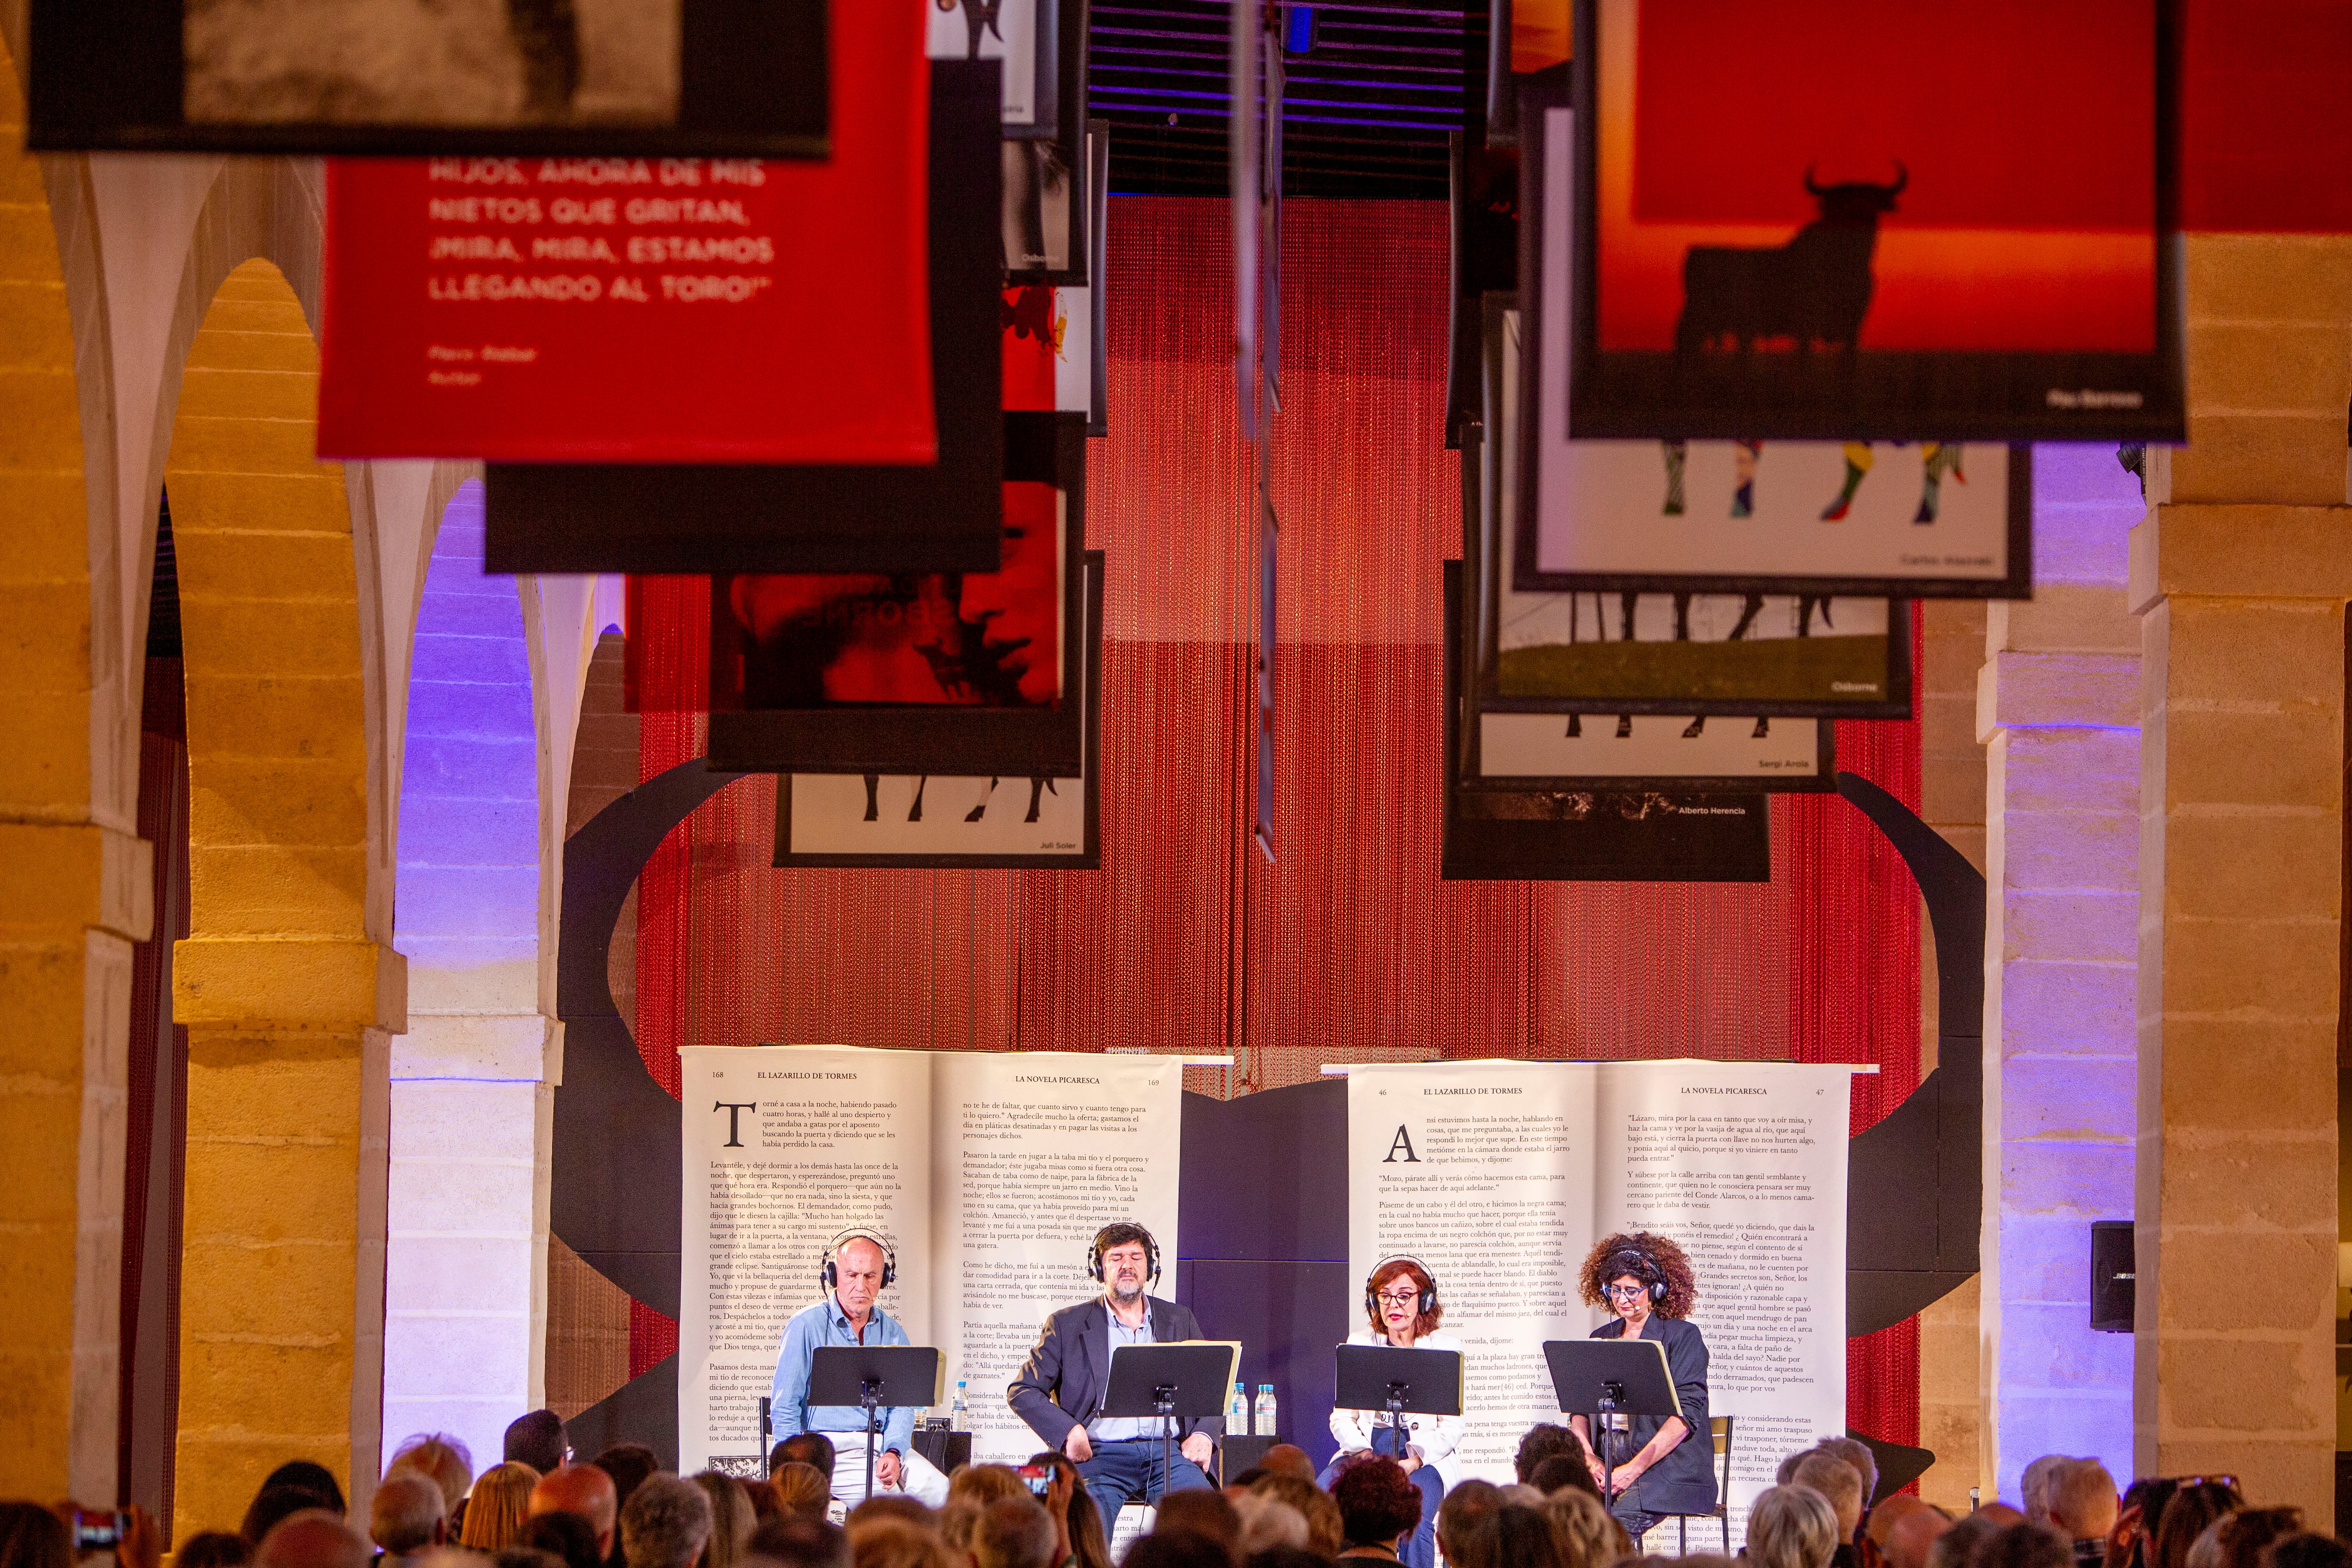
[[1644, 1282], [1402, 1309], [1379, 1507]]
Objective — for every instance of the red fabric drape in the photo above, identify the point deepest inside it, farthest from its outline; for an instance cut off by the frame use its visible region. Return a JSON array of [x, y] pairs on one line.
[[1347, 947]]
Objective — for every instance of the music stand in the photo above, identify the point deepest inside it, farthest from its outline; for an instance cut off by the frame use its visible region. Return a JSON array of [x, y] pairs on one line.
[[873, 1377], [1394, 1379], [1186, 1379], [1611, 1379]]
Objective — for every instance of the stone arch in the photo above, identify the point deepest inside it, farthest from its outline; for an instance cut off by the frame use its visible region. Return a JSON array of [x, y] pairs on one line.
[[287, 993]]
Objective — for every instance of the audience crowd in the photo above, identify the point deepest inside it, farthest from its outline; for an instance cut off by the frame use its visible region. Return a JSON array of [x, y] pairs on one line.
[[540, 1509]]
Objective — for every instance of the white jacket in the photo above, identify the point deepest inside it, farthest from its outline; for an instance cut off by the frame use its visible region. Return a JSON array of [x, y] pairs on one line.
[[1433, 1438]]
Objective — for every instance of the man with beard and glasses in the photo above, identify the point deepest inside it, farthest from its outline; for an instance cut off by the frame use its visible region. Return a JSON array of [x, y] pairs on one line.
[[1060, 1388]]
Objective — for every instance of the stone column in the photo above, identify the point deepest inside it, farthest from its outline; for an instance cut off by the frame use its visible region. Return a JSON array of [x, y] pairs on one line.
[[2239, 573], [2058, 706]]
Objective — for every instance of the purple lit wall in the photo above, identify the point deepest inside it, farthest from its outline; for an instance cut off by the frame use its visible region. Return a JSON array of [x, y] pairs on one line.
[[467, 1264], [2058, 705]]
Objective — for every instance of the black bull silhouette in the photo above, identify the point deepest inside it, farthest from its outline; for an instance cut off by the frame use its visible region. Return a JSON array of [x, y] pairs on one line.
[[1815, 289]]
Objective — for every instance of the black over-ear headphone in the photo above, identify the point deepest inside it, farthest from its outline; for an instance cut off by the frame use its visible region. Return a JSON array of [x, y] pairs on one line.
[[1427, 1302], [831, 1275], [1642, 1268], [1151, 1252]]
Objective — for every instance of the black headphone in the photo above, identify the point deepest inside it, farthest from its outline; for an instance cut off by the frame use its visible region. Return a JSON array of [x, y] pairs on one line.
[[1428, 1300], [831, 1275], [1642, 1268], [1151, 1252]]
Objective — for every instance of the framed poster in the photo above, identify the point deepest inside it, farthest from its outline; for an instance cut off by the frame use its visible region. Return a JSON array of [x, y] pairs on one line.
[[1829, 220], [1047, 188], [1795, 655], [1027, 36], [621, 79], [803, 516], [1484, 258], [1929, 519], [950, 673], [1055, 350], [1590, 835], [976, 821]]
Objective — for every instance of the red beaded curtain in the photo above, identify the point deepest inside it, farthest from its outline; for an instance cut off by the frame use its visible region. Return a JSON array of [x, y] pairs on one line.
[[1347, 947]]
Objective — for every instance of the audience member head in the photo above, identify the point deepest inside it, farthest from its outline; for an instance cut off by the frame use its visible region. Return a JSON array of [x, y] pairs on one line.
[[2081, 1500], [1266, 1524], [315, 1537], [520, 1556], [1542, 1442], [1883, 1517], [888, 1538], [1836, 1480], [766, 1503], [585, 1491], [565, 1535], [2305, 1550], [1564, 1470], [1517, 1537], [1464, 1508], [32, 1536], [1953, 1548], [273, 1503], [1325, 1536], [2024, 1545], [536, 1438], [805, 1448], [1204, 1513], [498, 1506], [986, 1484], [1518, 1494], [407, 1514], [1912, 1534], [2239, 1540], [665, 1524], [1794, 1526], [1083, 1524], [2001, 1515], [1588, 1537], [1378, 1502], [803, 1490], [1174, 1549], [441, 1456], [1856, 1452], [1289, 1459], [731, 1518], [1288, 1557], [628, 1464], [310, 1473], [1017, 1533], [883, 1506], [800, 1541], [206, 1549], [2033, 1486], [2192, 1508]]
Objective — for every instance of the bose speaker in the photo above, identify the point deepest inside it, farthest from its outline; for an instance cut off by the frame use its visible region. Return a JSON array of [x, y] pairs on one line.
[[2111, 1276]]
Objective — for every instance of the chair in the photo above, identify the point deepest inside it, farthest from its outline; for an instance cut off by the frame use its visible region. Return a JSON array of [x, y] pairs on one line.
[[1720, 1426]]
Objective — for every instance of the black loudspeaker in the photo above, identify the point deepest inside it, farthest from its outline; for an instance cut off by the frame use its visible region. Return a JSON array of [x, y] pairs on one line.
[[2111, 1276]]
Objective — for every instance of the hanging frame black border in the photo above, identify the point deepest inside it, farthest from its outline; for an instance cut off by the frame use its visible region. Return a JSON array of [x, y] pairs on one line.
[[1070, 135], [93, 59], [1090, 858], [1605, 404]]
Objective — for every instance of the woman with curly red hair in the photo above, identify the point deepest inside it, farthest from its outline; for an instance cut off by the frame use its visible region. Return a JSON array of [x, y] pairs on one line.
[[1402, 1309], [1644, 1282]]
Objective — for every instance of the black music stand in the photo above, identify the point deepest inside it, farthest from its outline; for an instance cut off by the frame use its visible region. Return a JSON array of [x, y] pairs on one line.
[[1610, 1380], [1391, 1378], [1186, 1379], [873, 1377]]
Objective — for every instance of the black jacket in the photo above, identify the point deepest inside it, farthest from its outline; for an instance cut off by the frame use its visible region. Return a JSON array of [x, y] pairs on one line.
[[1063, 1383], [1683, 1481]]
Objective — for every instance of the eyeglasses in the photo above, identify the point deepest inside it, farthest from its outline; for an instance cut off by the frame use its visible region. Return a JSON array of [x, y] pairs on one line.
[[1400, 1298], [1625, 1293]]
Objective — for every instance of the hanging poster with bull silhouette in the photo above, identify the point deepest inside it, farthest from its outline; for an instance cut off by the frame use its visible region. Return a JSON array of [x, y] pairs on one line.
[[1911, 518], [1839, 220], [1589, 834], [1027, 36], [627, 78], [933, 820], [1625, 651]]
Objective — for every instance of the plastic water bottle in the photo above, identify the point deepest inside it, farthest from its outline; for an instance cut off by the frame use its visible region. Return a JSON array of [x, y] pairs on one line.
[[1265, 1410], [1237, 1414], [959, 1410]]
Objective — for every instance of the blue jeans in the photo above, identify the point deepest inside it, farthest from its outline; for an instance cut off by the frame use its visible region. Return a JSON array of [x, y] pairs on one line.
[[1420, 1549], [1129, 1471]]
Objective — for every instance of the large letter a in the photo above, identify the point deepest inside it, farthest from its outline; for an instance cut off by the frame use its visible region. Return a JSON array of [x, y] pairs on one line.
[[1404, 1143]]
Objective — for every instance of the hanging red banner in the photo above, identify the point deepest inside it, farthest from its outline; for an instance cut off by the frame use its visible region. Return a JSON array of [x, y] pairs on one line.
[[638, 310]]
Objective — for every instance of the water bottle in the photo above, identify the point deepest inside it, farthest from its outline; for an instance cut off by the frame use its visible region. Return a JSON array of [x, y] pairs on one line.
[[1264, 1427], [959, 1410], [1237, 1414]]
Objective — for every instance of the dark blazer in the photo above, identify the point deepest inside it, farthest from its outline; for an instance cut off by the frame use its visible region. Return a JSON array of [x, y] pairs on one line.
[[1063, 1383], [1683, 1481]]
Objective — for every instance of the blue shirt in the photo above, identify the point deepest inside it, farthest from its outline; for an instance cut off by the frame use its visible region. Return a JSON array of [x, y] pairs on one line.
[[827, 1324], [1124, 1428]]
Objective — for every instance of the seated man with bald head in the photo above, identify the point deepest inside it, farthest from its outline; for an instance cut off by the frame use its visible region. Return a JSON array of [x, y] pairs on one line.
[[585, 1490], [312, 1539]]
